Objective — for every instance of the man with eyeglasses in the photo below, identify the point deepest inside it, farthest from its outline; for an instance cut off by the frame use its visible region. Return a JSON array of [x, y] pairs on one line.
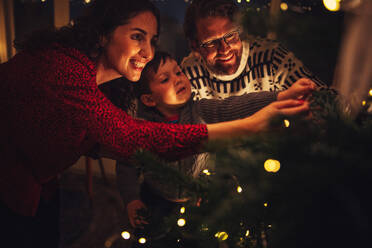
[[221, 64]]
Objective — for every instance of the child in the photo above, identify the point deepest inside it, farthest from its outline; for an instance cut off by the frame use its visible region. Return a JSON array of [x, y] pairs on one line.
[[164, 94]]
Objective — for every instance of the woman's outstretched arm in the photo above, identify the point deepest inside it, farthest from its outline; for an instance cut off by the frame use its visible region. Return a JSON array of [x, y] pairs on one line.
[[257, 122]]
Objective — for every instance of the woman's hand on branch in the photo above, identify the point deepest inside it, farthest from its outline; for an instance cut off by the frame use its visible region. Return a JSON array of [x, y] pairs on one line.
[[257, 122], [262, 118]]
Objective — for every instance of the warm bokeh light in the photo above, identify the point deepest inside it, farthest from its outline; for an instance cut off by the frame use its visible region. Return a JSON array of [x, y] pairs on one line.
[[286, 123], [332, 5], [142, 240], [266, 204], [370, 92], [247, 233], [364, 103], [108, 243], [87, 1], [272, 165], [182, 210], [125, 235], [181, 222], [204, 228], [239, 189], [221, 235], [284, 6], [206, 172]]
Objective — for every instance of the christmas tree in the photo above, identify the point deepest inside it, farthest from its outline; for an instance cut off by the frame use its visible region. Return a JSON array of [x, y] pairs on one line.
[[305, 183]]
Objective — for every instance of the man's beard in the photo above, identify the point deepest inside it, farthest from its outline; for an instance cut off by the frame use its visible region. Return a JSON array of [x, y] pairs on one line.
[[227, 69]]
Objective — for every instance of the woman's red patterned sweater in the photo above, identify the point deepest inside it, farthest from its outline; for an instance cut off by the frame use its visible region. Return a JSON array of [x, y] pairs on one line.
[[53, 113]]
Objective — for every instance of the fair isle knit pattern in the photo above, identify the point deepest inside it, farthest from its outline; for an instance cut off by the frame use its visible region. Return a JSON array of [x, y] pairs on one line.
[[267, 66]]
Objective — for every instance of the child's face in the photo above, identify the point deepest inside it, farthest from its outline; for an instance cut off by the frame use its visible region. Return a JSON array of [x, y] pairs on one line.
[[170, 88]]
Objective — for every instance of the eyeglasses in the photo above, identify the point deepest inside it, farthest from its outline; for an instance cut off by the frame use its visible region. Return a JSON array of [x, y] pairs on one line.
[[229, 38]]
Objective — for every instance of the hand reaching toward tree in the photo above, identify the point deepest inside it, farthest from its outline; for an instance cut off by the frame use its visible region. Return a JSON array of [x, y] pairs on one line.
[[132, 209], [262, 118], [301, 89], [257, 122]]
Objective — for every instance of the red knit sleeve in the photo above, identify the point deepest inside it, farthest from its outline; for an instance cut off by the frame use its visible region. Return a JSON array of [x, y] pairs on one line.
[[114, 129], [122, 135]]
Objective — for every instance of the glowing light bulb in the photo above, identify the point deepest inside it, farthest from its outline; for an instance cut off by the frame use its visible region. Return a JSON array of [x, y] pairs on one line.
[[125, 235], [286, 123], [364, 103], [266, 204], [181, 222], [87, 1], [239, 189], [182, 210], [247, 233], [206, 172], [239, 1], [221, 235], [370, 92], [332, 5], [142, 240], [108, 243], [272, 165], [284, 6]]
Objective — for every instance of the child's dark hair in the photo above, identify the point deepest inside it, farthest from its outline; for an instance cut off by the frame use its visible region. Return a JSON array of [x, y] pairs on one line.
[[142, 86]]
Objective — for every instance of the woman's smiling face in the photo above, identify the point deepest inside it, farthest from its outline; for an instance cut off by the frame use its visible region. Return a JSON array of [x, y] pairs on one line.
[[129, 48]]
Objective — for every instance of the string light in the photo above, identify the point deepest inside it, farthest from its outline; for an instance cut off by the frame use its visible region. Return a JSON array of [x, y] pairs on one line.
[[181, 222], [108, 243], [206, 172], [125, 235], [272, 165], [364, 103], [266, 204], [247, 233], [182, 210], [370, 92], [284, 6], [204, 227], [142, 240], [87, 1], [239, 189], [332, 5], [286, 123], [221, 235]]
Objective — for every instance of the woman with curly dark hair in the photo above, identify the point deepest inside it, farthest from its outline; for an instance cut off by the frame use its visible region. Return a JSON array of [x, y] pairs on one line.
[[53, 111]]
